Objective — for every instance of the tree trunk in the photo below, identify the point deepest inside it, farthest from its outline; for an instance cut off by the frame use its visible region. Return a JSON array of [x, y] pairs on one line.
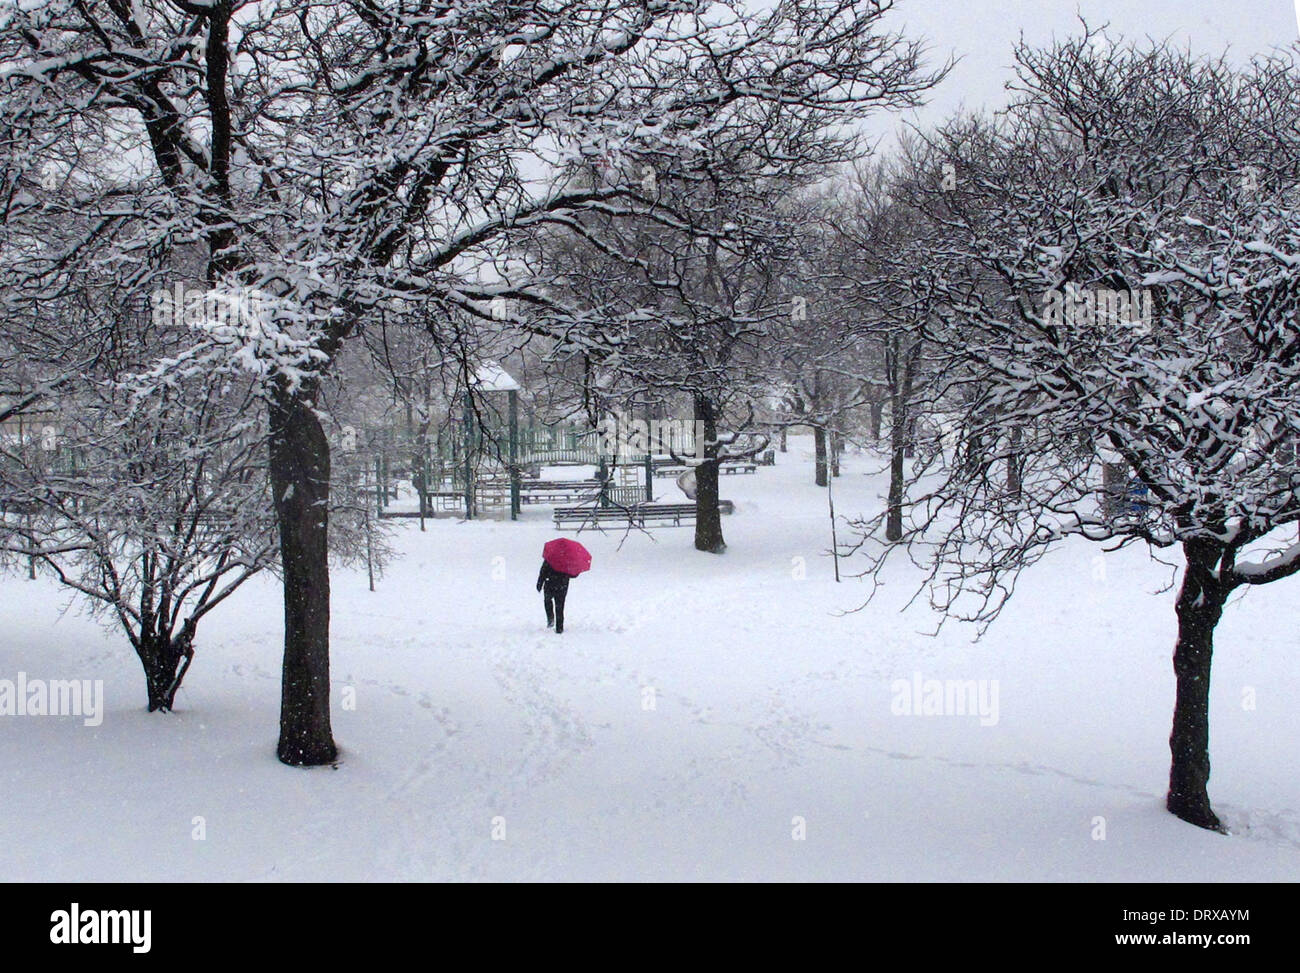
[[1199, 607], [877, 417], [819, 443], [898, 441], [300, 475], [973, 455], [894, 519], [836, 447], [162, 658], [1014, 479], [708, 518], [784, 436]]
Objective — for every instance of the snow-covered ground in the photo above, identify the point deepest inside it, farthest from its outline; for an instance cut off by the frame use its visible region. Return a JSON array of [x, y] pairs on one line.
[[698, 714]]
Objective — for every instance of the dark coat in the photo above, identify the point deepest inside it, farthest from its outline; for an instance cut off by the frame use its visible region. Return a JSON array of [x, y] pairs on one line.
[[555, 581]]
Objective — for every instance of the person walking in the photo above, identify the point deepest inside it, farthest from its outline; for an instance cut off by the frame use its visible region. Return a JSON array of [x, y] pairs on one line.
[[555, 586], [563, 559]]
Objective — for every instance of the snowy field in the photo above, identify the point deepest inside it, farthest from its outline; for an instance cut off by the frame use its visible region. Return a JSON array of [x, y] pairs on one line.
[[697, 714]]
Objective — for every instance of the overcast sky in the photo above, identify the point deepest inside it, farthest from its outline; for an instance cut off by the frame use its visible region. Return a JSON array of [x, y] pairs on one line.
[[982, 33]]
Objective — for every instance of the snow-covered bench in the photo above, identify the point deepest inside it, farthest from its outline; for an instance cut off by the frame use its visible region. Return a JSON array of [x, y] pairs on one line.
[[637, 515], [553, 491], [726, 469]]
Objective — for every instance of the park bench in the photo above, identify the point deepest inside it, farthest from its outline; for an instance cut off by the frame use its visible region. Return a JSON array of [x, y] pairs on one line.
[[619, 495], [551, 485], [636, 515], [726, 469], [554, 496], [557, 491]]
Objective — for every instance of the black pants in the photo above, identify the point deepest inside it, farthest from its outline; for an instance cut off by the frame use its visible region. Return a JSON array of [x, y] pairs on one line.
[[553, 598]]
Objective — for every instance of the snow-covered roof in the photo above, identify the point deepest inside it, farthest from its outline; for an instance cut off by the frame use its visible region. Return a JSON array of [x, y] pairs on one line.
[[491, 377]]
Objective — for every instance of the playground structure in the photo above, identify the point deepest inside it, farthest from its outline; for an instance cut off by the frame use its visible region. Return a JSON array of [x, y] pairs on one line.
[[482, 463], [468, 474]]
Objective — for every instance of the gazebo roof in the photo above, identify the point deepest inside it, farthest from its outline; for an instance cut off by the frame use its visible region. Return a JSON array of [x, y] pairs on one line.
[[491, 377]]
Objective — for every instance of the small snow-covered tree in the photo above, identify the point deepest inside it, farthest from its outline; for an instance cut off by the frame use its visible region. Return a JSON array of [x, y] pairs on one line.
[[152, 507]]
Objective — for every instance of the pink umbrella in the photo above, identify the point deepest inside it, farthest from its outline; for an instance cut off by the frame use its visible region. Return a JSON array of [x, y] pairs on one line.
[[566, 556]]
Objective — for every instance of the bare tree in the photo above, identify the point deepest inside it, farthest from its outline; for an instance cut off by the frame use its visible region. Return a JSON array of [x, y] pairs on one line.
[[151, 506], [1122, 277]]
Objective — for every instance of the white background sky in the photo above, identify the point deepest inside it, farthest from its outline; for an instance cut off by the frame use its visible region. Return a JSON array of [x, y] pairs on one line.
[[982, 33]]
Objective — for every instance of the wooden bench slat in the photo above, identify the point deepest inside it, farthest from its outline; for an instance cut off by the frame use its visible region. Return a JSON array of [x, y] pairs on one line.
[[637, 514], [725, 470]]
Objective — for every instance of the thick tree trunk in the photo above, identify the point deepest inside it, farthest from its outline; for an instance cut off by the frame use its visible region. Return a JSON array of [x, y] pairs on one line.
[[877, 417], [819, 445], [300, 475], [708, 518], [1199, 607], [784, 438], [162, 658]]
